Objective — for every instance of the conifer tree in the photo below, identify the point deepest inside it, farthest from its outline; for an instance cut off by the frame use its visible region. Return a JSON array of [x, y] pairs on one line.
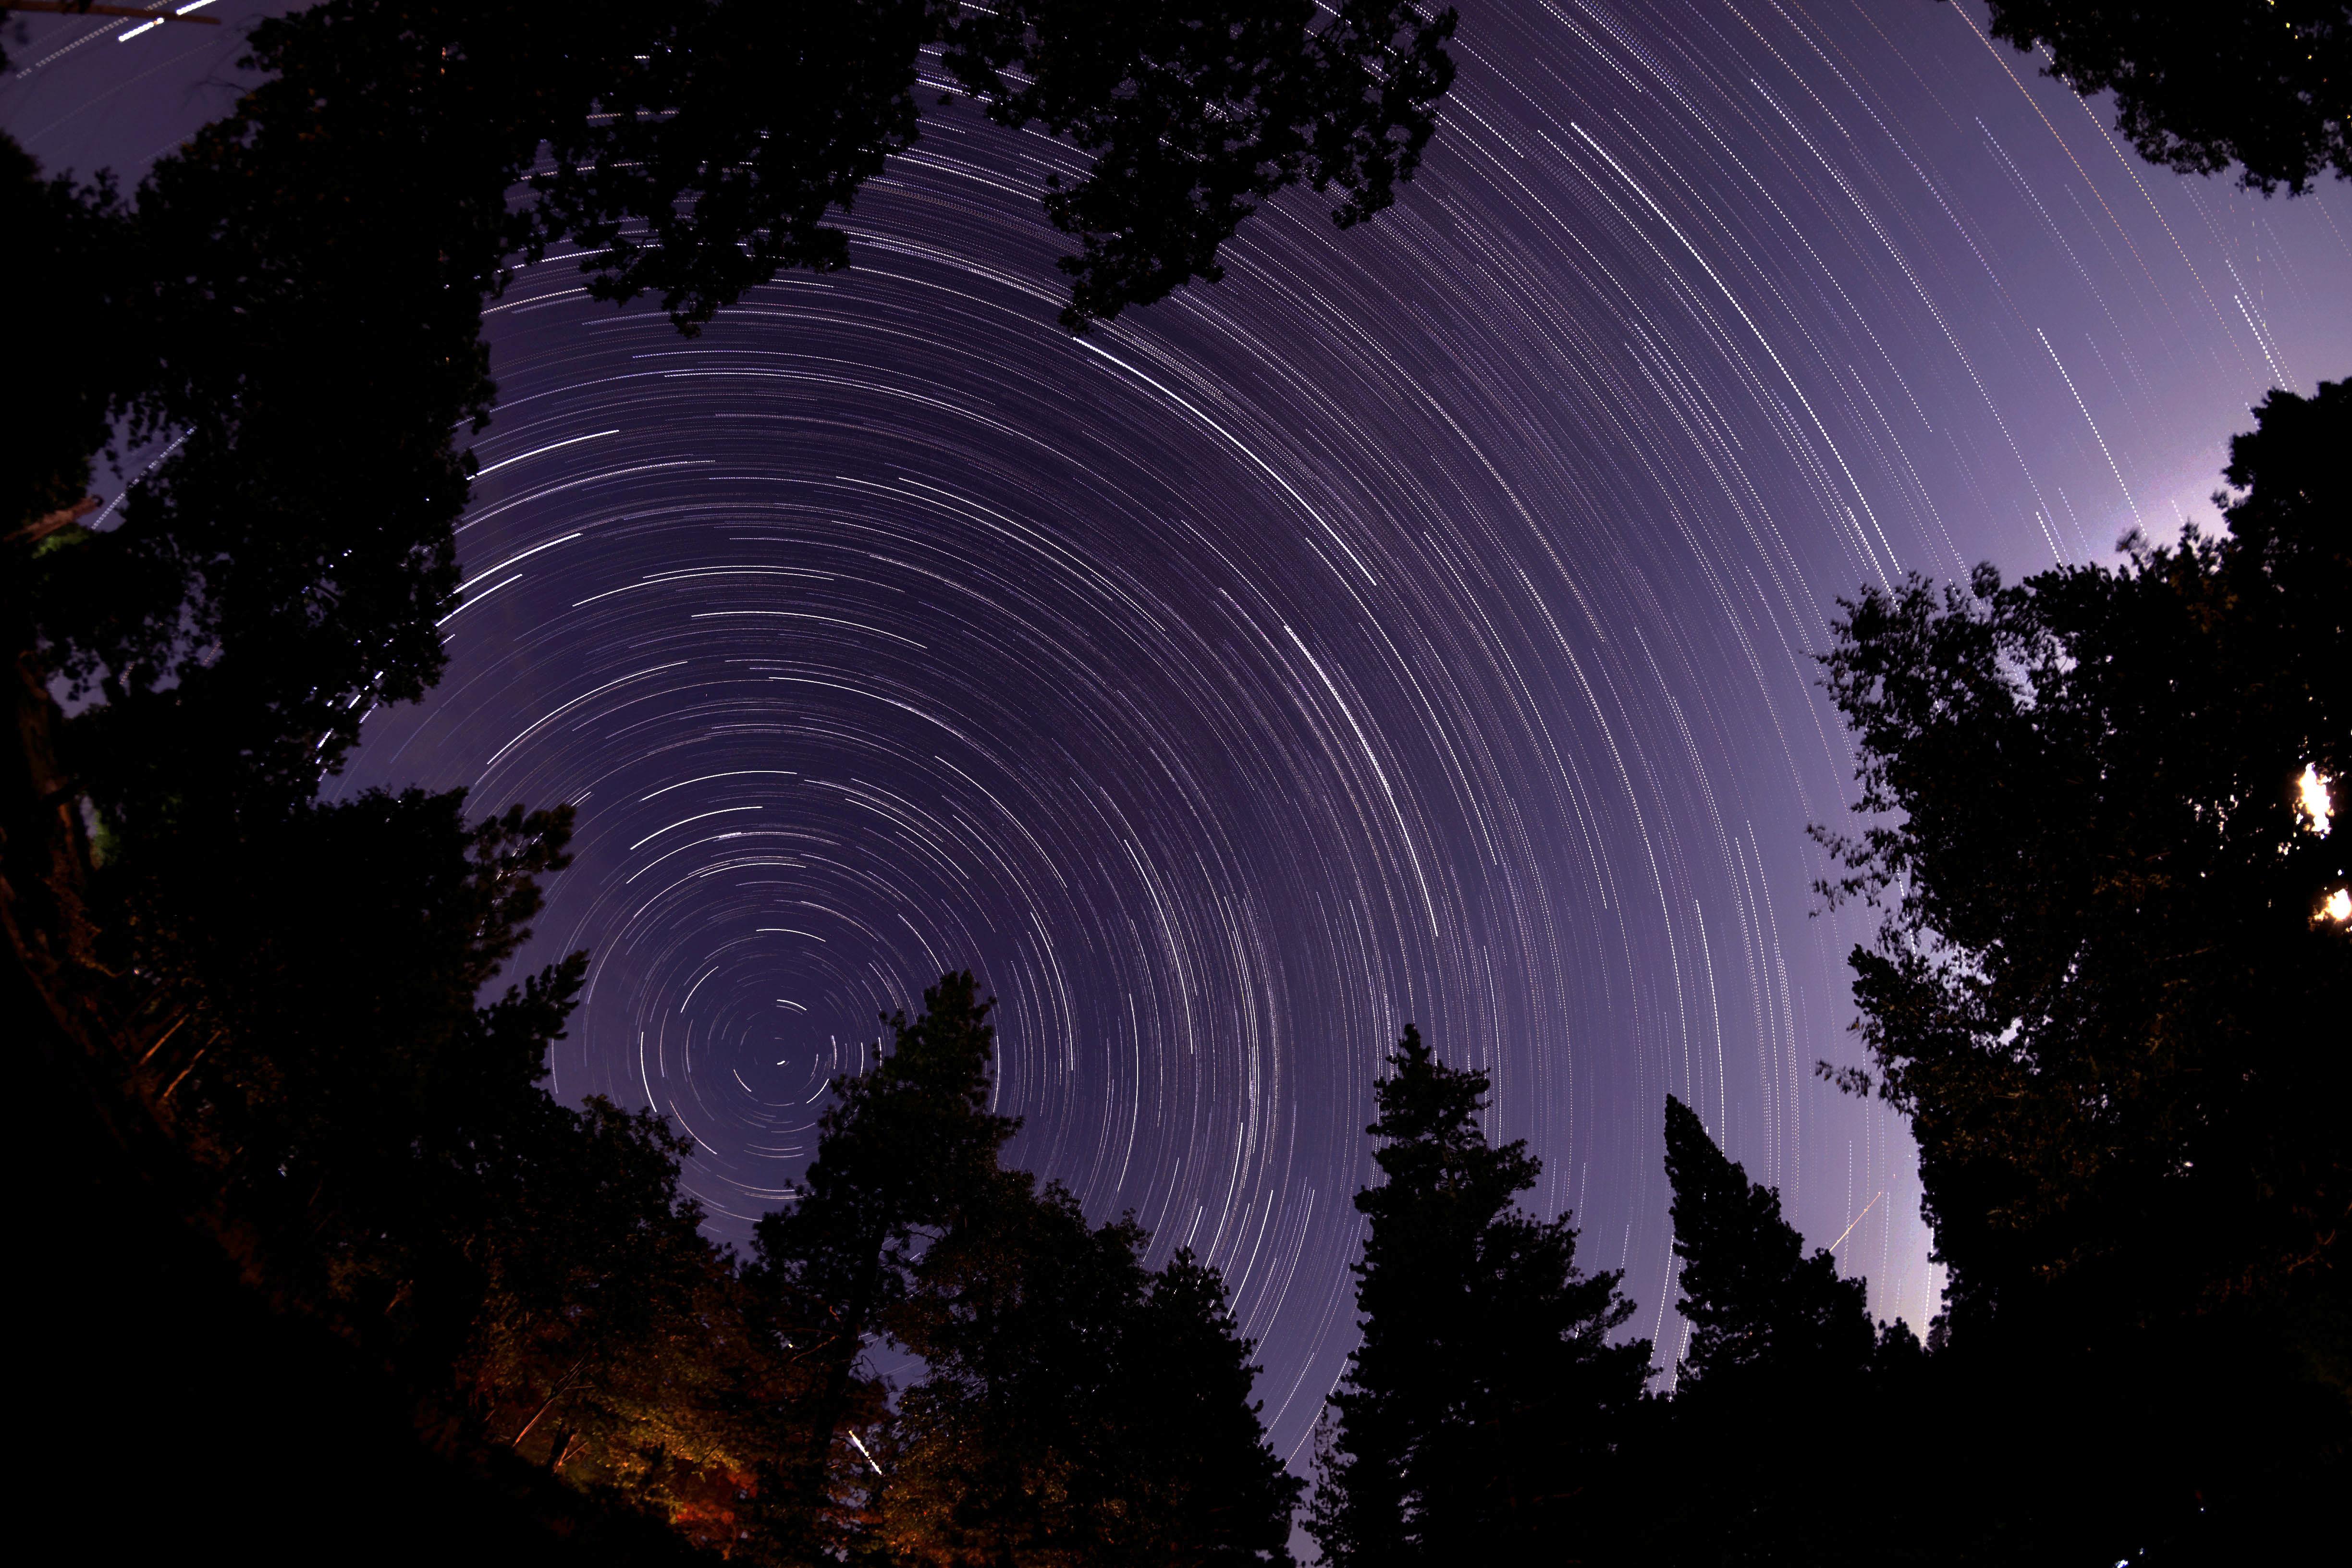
[[1221, 1495], [1478, 1413], [906, 1146], [1763, 1316], [1777, 1372], [1077, 1408]]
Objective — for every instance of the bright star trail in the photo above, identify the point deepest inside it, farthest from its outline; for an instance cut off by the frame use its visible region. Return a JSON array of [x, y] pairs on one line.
[[1416, 625]]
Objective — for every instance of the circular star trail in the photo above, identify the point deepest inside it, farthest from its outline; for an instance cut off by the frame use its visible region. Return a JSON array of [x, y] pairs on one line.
[[1417, 626]]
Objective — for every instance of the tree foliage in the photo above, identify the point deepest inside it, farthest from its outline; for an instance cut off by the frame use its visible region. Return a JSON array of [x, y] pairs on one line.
[[1779, 1345], [280, 564], [1765, 1318], [2257, 83], [2107, 990], [387, 1161], [2113, 963], [2106, 982], [1076, 1407], [1196, 114], [906, 1149], [1477, 1417]]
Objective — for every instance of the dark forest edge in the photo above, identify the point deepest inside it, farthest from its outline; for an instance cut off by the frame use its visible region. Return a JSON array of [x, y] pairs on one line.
[[324, 1242]]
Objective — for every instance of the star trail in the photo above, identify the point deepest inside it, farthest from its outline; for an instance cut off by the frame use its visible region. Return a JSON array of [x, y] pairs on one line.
[[1416, 625]]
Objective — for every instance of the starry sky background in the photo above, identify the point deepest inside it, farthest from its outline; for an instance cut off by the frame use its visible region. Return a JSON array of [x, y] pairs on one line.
[[1416, 625]]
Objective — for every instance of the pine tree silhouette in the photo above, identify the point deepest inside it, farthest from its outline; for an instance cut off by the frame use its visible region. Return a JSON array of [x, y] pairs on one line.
[[1479, 1414]]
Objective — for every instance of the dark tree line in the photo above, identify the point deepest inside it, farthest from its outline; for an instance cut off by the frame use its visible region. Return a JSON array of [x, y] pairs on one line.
[[1493, 1413]]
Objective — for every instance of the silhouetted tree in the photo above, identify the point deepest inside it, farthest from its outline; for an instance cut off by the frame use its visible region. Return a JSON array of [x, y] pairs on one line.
[[1777, 1374], [385, 1159], [1208, 1488], [2113, 967], [1478, 1419], [1763, 1315], [2108, 966], [340, 1071], [2258, 83], [67, 361], [1075, 1408], [1196, 112], [906, 1146]]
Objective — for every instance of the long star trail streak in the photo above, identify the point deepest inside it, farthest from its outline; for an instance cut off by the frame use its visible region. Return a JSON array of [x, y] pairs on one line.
[[1416, 625]]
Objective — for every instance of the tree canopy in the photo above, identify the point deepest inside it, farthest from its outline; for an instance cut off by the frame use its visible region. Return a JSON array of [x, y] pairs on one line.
[[2109, 965], [2259, 84], [282, 564], [299, 999], [2108, 989]]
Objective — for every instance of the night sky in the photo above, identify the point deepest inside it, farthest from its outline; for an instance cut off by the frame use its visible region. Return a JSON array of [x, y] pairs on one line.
[[1416, 625]]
